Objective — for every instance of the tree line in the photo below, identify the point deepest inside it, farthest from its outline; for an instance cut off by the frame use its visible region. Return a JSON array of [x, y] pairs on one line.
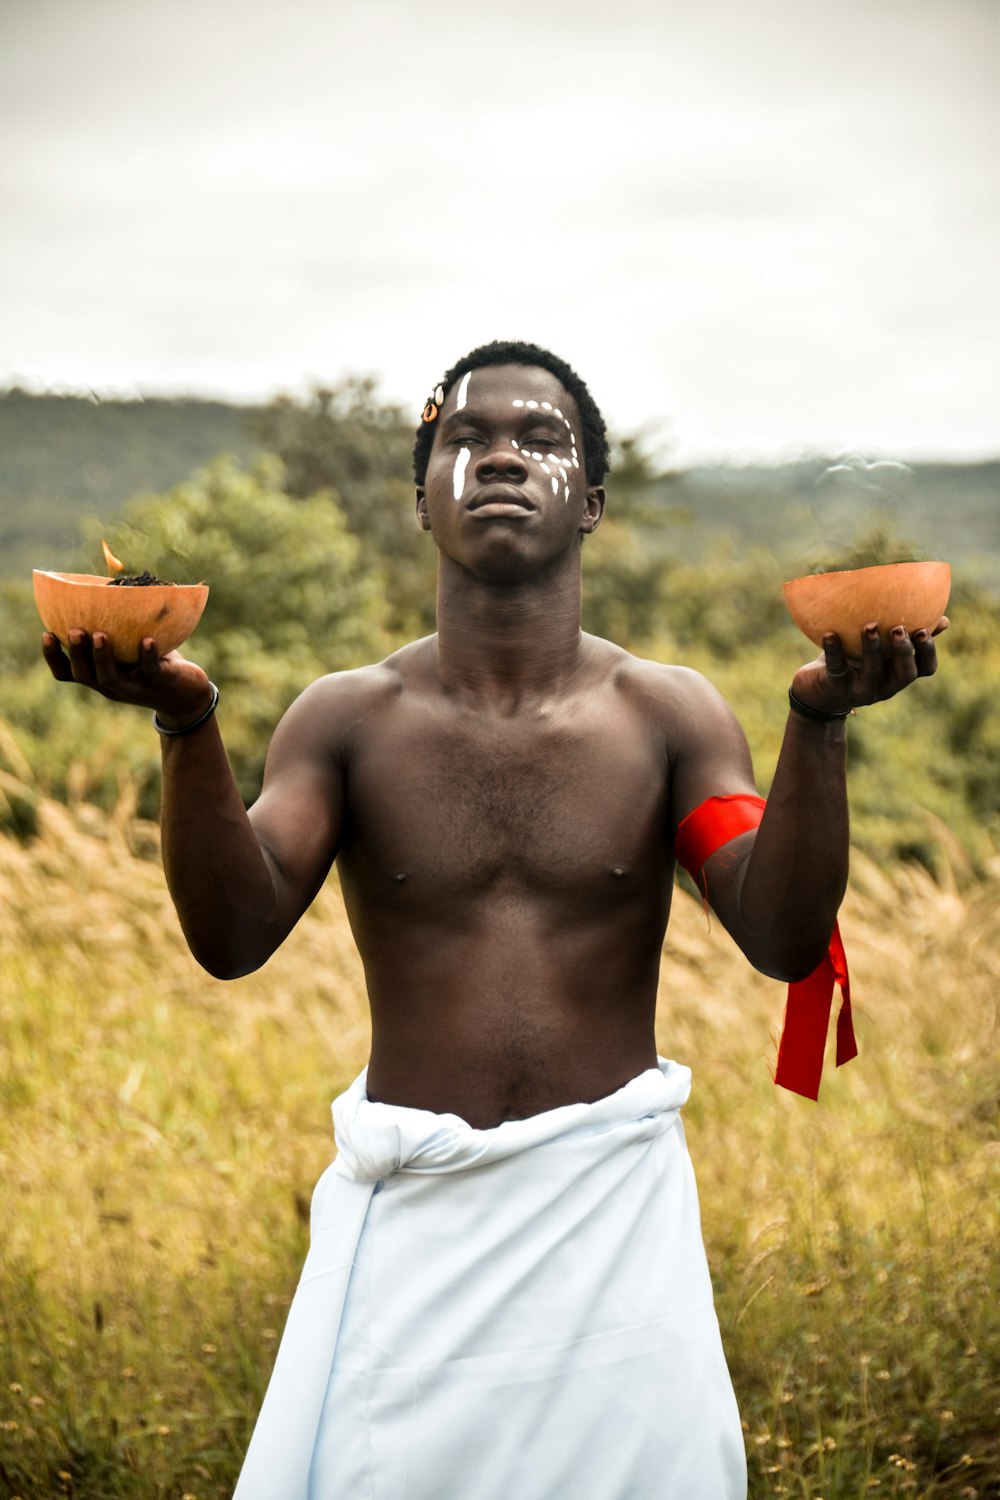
[[315, 563]]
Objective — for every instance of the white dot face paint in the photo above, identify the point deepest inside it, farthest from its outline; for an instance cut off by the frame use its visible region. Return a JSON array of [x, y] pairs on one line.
[[463, 391], [544, 459], [458, 477]]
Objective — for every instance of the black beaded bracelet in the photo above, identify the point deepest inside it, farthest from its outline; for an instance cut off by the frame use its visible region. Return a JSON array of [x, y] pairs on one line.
[[190, 728], [818, 715]]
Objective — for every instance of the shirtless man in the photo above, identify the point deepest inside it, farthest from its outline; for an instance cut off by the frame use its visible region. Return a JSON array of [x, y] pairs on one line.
[[502, 799]]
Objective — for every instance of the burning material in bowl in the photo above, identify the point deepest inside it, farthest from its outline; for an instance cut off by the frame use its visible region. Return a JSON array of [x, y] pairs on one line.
[[913, 594], [126, 608]]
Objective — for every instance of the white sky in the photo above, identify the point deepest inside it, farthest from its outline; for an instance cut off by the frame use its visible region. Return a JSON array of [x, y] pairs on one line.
[[771, 223]]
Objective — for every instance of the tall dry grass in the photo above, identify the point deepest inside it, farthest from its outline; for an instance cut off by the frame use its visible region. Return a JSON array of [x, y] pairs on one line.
[[160, 1135]]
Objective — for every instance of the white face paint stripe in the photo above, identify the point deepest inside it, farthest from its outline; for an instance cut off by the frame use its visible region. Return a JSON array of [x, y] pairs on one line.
[[555, 485], [532, 404], [461, 464], [463, 391], [520, 403]]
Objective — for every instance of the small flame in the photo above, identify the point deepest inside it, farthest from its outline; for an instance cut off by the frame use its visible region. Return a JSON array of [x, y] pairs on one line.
[[111, 561]]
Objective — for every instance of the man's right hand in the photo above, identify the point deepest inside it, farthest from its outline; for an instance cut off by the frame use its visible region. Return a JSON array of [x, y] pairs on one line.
[[178, 691]]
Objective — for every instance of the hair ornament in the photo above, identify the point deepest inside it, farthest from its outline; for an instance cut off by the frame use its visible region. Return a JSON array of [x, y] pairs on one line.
[[434, 405]]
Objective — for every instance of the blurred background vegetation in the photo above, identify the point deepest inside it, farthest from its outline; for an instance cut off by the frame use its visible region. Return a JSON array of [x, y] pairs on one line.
[[299, 515]]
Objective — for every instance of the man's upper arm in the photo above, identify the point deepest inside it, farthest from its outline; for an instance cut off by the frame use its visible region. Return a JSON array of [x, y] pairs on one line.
[[710, 758], [709, 753], [298, 817]]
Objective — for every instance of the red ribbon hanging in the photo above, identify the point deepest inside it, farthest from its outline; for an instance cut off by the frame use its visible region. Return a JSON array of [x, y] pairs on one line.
[[807, 1011]]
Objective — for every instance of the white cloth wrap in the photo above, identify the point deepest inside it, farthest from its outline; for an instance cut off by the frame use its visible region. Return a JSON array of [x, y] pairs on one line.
[[524, 1311]]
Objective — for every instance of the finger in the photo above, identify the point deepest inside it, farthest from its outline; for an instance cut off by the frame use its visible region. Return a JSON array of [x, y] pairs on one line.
[[925, 653], [871, 661], [55, 659], [149, 659], [834, 656], [105, 667], [80, 657], [904, 662], [941, 625]]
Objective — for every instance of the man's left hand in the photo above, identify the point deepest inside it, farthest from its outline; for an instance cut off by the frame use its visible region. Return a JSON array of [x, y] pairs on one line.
[[835, 682]]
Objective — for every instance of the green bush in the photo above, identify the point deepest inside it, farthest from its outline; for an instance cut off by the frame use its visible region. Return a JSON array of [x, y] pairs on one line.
[[288, 602]]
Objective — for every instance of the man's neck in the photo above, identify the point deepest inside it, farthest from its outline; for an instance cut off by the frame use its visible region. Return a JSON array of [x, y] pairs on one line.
[[511, 644]]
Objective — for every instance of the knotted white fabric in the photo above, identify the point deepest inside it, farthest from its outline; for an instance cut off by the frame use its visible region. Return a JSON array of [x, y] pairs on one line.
[[524, 1311]]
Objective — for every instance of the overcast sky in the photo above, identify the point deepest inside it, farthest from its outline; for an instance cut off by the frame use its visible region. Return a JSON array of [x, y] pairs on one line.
[[772, 224]]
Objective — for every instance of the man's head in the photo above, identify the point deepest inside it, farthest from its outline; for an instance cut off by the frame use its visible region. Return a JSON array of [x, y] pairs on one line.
[[504, 487], [593, 435]]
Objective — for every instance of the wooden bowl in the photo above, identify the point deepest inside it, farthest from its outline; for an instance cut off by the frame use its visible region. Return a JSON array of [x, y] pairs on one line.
[[127, 613], [913, 594]]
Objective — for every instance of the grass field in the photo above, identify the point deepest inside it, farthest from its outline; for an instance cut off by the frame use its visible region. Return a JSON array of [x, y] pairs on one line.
[[160, 1134]]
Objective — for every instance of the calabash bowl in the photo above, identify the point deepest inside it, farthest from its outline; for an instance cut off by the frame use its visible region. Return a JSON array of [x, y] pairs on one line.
[[126, 613], [913, 594]]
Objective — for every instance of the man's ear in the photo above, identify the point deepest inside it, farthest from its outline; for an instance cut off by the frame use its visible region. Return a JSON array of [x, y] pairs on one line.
[[423, 519], [593, 509]]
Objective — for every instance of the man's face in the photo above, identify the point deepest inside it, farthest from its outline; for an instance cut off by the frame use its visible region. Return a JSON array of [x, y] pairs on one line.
[[505, 485]]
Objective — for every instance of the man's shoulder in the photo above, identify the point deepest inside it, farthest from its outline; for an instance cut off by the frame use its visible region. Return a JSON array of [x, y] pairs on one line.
[[657, 682], [678, 701], [338, 698]]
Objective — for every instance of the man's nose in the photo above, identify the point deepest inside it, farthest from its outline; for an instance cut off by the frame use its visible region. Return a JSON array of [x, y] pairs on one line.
[[501, 460]]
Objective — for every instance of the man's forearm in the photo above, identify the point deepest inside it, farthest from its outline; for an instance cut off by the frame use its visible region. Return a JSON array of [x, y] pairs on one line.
[[795, 877], [216, 871]]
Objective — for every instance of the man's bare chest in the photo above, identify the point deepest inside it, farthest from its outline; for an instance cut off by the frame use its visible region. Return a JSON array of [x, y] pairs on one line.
[[554, 801]]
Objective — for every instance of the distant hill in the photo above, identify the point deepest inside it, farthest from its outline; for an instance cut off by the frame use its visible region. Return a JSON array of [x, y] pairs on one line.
[[814, 511], [66, 457], [63, 458]]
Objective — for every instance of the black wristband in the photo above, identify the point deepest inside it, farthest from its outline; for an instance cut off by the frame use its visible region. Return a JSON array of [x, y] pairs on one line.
[[818, 715], [190, 728]]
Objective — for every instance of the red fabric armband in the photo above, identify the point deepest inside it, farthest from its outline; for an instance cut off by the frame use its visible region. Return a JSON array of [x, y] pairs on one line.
[[807, 1011]]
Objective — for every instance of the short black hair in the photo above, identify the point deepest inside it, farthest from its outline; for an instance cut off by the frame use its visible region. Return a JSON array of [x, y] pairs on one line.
[[596, 453]]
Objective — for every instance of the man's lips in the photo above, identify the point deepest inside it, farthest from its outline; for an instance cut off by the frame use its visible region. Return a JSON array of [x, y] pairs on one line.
[[500, 500]]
